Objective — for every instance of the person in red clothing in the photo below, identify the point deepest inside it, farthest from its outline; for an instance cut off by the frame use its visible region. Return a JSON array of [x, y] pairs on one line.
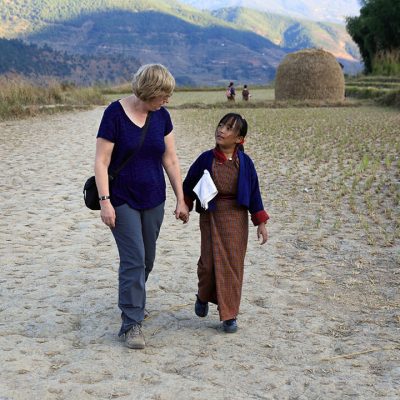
[[224, 224]]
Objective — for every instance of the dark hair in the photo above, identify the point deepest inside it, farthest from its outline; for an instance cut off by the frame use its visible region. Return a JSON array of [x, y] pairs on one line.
[[237, 121]]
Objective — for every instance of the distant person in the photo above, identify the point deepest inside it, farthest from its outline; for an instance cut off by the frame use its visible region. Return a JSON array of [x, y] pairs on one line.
[[132, 204], [230, 92], [224, 224], [245, 93]]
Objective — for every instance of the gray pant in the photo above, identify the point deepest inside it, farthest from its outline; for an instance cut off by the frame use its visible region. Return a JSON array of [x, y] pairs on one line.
[[136, 233]]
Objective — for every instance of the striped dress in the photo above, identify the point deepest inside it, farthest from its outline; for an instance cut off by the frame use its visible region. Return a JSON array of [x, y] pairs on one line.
[[224, 234]]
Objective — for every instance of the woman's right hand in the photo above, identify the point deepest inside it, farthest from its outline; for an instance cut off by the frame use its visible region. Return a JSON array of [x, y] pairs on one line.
[[107, 213]]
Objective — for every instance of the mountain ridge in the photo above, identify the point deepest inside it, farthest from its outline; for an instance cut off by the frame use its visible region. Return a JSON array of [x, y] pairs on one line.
[[200, 48], [277, 29], [194, 54], [317, 10], [42, 63]]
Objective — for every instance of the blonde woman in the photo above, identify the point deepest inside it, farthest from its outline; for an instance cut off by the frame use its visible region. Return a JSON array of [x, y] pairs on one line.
[[132, 204]]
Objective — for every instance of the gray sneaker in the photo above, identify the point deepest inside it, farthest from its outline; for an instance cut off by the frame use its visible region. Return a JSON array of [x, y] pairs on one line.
[[134, 338]]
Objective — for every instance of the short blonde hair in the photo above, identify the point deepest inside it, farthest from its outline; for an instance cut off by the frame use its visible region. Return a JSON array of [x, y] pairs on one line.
[[152, 80]]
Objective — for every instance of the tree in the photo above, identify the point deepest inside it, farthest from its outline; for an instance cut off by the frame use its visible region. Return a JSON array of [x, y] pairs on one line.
[[376, 30]]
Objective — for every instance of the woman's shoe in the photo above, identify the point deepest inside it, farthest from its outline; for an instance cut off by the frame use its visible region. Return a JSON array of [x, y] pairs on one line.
[[200, 308], [134, 338], [230, 325]]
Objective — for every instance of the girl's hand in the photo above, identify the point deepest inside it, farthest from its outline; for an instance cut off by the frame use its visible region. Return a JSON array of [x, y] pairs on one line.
[[107, 213], [182, 212], [262, 233]]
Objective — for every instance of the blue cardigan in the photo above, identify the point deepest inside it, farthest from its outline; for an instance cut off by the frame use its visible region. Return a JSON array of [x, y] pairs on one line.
[[248, 191]]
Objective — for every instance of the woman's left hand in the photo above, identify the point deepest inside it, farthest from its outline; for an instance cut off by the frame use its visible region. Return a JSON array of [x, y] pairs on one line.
[[182, 212], [262, 233]]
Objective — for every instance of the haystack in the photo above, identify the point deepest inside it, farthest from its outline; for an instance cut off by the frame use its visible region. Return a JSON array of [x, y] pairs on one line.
[[310, 74]]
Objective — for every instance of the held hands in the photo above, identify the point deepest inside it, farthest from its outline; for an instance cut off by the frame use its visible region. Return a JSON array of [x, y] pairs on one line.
[[182, 212], [107, 213], [262, 233]]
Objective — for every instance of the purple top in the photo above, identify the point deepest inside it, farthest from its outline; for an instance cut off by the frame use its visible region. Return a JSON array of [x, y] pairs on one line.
[[141, 182]]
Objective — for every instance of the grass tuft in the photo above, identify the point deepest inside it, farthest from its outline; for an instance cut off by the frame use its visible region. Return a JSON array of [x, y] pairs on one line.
[[21, 98]]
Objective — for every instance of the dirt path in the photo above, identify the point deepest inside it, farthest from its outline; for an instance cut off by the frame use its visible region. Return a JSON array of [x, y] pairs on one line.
[[319, 318]]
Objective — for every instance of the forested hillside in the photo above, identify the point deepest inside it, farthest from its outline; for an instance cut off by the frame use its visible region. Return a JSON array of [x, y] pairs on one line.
[[26, 16], [200, 48], [41, 63], [292, 33], [317, 10]]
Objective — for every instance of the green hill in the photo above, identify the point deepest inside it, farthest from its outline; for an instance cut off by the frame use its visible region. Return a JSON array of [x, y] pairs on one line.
[[43, 63], [293, 33], [315, 10], [200, 48], [27, 16]]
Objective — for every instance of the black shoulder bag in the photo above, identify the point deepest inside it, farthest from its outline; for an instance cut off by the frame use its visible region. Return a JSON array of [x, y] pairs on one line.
[[90, 192]]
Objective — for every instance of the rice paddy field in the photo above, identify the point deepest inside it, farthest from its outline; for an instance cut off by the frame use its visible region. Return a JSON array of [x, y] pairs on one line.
[[320, 309], [343, 162], [209, 98], [215, 97]]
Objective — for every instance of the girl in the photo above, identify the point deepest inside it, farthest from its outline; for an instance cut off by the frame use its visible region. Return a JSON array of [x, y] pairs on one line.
[[224, 225]]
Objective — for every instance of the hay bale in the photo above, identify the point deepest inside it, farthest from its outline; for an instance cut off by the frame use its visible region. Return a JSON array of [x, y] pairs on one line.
[[310, 74]]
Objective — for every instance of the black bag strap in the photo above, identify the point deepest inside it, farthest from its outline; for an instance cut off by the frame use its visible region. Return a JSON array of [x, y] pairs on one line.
[[129, 157]]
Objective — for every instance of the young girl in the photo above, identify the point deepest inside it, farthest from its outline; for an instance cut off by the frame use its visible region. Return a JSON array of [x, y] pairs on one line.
[[224, 225]]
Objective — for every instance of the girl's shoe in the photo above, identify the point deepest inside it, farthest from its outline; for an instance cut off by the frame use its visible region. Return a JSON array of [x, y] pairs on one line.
[[230, 325], [200, 308]]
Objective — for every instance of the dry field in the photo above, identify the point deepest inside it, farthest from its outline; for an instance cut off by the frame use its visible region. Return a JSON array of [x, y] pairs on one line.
[[210, 98], [320, 312], [20, 97]]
